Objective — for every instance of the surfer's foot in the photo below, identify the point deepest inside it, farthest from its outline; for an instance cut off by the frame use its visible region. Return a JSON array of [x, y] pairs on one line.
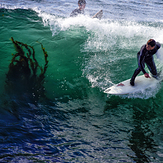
[[157, 76], [132, 82]]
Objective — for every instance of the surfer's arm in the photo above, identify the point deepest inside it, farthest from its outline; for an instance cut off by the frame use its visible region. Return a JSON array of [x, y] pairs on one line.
[[141, 61], [76, 12]]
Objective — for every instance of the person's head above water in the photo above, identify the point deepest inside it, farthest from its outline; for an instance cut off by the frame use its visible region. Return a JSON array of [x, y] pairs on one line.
[[150, 44], [81, 4]]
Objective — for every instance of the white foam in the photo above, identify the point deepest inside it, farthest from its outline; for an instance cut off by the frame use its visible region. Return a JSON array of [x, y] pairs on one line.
[[103, 34], [159, 55]]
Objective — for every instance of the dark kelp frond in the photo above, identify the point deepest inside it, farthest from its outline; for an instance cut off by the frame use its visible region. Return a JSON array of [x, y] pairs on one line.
[[18, 48], [43, 70], [23, 70]]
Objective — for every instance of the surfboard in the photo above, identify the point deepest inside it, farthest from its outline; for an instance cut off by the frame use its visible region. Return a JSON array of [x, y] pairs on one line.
[[98, 15], [141, 83]]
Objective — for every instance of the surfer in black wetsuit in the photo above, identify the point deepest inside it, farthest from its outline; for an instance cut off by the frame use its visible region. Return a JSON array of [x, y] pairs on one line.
[[80, 9], [145, 56]]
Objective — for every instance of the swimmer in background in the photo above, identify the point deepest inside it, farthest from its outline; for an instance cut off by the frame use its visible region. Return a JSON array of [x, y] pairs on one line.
[[80, 9]]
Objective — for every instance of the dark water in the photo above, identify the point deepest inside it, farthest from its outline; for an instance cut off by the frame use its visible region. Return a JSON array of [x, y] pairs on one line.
[[75, 121]]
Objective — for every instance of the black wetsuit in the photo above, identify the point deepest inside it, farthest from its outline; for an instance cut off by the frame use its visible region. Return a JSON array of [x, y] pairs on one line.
[[146, 56], [76, 12]]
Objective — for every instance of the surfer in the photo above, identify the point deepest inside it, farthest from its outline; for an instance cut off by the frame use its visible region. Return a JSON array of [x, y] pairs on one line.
[[145, 56], [80, 9]]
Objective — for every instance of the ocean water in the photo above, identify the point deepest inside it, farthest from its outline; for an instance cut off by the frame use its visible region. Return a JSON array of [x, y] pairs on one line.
[[74, 120]]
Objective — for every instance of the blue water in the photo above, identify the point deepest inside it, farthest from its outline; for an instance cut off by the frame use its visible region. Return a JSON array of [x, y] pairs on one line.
[[75, 121]]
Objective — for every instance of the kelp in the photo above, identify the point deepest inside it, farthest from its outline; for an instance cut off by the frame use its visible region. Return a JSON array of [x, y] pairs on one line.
[[25, 75]]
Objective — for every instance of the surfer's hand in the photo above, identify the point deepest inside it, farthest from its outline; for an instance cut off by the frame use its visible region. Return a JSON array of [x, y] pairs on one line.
[[147, 75]]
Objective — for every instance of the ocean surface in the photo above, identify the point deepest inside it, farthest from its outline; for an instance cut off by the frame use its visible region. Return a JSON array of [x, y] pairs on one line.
[[66, 116]]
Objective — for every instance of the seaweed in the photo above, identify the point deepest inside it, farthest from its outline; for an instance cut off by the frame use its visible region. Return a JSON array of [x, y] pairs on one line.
[[23, 75]]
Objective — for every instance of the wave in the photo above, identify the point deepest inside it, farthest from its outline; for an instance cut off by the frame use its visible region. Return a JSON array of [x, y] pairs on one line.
[[107, 48], [108, 45]]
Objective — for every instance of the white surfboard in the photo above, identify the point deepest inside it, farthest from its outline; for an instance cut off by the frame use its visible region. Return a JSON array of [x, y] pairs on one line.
[[141, 83]]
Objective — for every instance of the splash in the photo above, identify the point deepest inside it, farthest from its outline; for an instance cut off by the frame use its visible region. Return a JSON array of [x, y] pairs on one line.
[[159, 55], [145, 94]]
